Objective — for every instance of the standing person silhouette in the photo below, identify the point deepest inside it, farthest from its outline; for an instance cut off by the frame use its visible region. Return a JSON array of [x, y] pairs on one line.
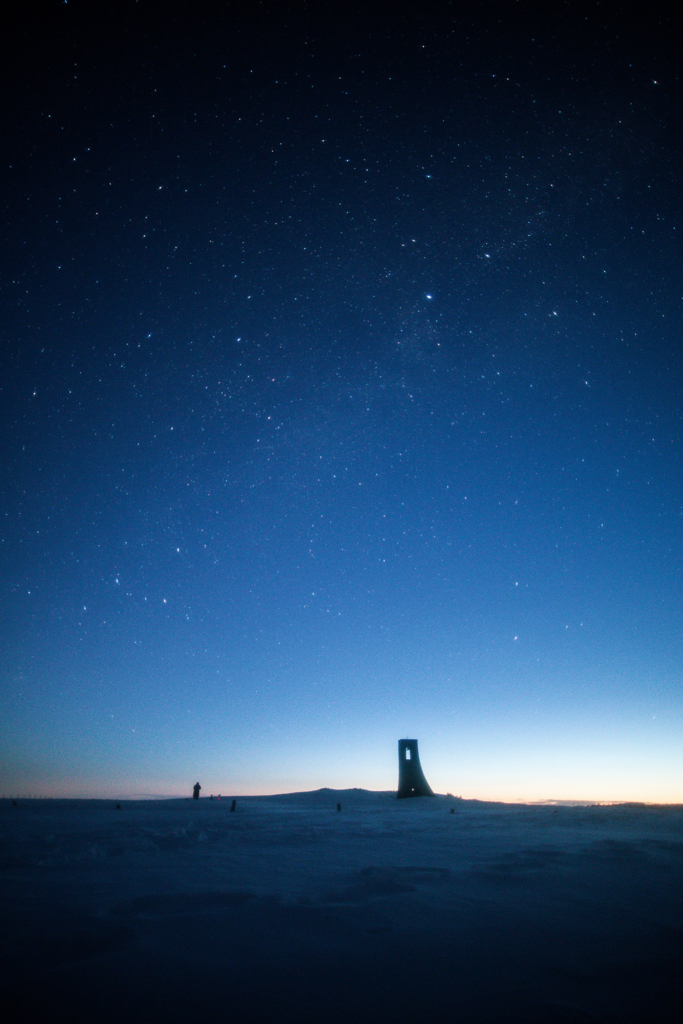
[[195, 791]]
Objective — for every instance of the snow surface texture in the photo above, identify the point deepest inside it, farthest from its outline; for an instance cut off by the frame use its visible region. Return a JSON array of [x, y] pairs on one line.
[[287, 910]]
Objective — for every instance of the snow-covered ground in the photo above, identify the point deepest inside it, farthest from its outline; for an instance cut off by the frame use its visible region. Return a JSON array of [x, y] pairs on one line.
[[287, 910]]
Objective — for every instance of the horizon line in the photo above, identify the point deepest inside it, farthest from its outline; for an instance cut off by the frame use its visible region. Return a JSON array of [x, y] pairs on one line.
[[547, 802]]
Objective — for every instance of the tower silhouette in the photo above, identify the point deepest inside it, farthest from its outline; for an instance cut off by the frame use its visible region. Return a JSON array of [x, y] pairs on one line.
[[411, 778]]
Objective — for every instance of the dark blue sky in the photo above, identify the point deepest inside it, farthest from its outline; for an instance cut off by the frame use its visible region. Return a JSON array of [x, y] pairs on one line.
[[341, 399]]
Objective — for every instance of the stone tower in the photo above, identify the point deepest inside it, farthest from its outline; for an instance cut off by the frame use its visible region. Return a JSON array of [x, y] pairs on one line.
[[411, 779]]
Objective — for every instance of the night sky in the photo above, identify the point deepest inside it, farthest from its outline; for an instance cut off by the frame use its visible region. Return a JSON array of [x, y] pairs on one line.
[[341, 399]]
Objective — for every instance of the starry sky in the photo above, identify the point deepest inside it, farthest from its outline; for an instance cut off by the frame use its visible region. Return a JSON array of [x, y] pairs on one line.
[[341, 399]]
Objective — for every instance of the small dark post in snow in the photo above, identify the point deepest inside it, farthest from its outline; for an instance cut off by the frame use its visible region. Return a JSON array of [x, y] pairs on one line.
[[339, 807], [233, 805], [411, 779]]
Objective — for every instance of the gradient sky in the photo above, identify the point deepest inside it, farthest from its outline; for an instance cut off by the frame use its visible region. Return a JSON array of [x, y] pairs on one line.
[[341, 400]]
